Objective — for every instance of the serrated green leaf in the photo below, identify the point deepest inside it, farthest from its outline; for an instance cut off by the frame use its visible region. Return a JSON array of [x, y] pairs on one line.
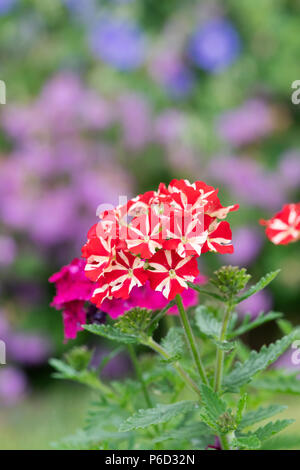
[[85, 377], [246, 442], [255, 416], [241, 407], [214, 406], [248, 324], [256, 362], [159, 414], [205, 292], [207, 323], [262, 283], [187, 432], [270, 429], [112, 333], [173, 343], [279, 383]]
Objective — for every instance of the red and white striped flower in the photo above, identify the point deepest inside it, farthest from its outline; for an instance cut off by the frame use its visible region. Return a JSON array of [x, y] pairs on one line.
[[219, 238], [99, 253], [102, 292], [169, 272], [145, 235], [186, 234], [191, 197], [126, 272], [284, 227]]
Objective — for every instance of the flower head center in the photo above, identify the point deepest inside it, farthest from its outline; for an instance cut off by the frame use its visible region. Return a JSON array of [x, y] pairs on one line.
[[172, 273], [130, 272]]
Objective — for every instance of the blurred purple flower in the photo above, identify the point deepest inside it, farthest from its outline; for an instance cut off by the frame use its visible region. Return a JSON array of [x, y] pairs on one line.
[[8, 250], [13, 384], [247, 245], [169, 71], [248, 181], [118, 43], [135, 118], [256, 304], [6, 6], [52, 183], [29, 349], [252, 121], [214, 45], [289, 169], [169, 126], [289, 361], [119, 366]]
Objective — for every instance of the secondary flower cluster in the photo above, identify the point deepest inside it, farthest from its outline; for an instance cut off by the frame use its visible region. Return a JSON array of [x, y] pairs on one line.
[[284, 227], [156, 237]]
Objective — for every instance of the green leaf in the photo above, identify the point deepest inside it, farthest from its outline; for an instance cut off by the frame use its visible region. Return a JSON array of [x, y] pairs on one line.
[[85, 377], [214, 406], [159, 414], [246, 442], [241, 407], [279, 383], [254, 416], [207, 323], [283, 442], [112, 333], [173, 343], [205, 292], [186, 432], [262, 283], [265, 432], [225, 345], [248, 324], [256, 362]]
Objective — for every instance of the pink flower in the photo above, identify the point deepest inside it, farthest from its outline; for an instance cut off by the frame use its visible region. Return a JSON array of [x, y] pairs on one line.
[[73, 289], [284, 227]]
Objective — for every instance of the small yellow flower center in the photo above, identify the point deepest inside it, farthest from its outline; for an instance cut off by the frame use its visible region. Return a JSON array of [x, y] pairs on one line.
[[172, 273], [130, 272]]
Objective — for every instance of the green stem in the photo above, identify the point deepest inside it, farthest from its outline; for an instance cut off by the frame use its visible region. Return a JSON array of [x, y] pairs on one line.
[[191, 339], [221, 352], [224, 442], [139, 375], [220, 366], [183, 374]]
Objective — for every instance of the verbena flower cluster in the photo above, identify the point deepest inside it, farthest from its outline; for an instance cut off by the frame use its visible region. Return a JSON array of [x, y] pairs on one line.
[[156, 237], [144, 253]]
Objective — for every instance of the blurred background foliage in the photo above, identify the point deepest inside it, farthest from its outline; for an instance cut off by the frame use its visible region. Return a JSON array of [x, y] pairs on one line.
[[108, 98]]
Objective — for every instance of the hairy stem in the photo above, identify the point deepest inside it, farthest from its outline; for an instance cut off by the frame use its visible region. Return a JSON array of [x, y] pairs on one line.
[[183, 374], [221, 352], [220, 366], [191, 339]]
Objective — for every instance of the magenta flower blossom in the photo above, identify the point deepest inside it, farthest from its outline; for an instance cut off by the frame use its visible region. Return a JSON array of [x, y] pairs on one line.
[[73, 289]]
